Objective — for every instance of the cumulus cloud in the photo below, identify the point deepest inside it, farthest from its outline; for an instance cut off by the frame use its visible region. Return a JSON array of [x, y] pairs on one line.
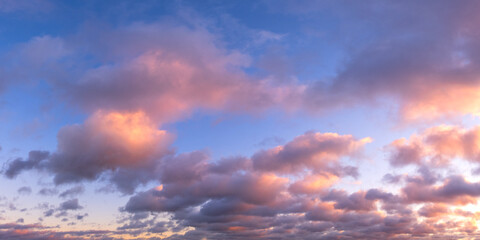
[[313, 184], [72, 192], [314, 151], [18, 165], [433, 210], [71, 204], [437, 146], [454, 189], [355, 201], [202, 180], [243, 196], [265, 203], [107, 142], [130, 149], [49, 212]]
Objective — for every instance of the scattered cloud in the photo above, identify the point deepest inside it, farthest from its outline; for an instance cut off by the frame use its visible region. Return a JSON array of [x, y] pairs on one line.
[[24, 190]]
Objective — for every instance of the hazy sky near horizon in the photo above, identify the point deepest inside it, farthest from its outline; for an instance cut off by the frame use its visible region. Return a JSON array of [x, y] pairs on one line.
[[239, 119]]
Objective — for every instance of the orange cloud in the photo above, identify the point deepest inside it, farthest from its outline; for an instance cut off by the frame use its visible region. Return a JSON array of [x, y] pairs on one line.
[[313, 184], [125, 139]]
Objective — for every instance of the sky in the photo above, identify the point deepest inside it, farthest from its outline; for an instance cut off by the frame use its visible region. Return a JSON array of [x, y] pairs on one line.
[[266, 119]]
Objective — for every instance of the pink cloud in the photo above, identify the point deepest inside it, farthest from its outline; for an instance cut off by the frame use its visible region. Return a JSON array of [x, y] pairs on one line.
[[437, 146], [315, 151], [127, 145]]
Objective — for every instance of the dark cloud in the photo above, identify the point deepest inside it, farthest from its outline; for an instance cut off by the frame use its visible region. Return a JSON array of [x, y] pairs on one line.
[[48, 191], [71, 204], [49, 212], [72, 192], [81, 217], [392, 179], [454, 189], [18, 165]]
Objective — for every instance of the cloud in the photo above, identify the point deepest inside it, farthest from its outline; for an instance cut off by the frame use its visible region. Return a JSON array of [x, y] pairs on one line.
[[355, 201], [130, 149], [81, 217], [437, 146], [71, 204], [74, 191], [40, 232], [169, 70], [265, 203], [255, 185], [49, 212], [142, 75], [433, 210], [165, 69], [48, 191], [237, 199], [169, 85], [313, 184], [315, 151], [426, 66], [126, 145], [24, 190], [106, 141], [454, 189], [18, 165], [183, 168], [249, 188]]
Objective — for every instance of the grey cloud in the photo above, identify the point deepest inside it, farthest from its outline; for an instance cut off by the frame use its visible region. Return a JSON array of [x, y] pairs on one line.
[[48, 191], [71, 204], [24, 190], [35, 158], [72, 192]]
